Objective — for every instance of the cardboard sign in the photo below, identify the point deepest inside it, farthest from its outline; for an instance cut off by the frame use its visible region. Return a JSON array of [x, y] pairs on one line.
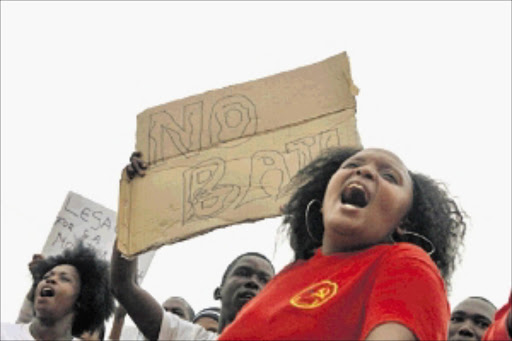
[[83, 219], [226, 156]]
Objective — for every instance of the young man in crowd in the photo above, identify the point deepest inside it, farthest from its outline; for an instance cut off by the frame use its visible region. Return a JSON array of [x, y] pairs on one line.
[[470, 319], [179, 306], [243, 279]]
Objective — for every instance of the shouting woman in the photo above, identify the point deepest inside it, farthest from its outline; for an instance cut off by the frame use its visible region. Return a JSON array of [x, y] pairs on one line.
[[71, 295], [375, 245]]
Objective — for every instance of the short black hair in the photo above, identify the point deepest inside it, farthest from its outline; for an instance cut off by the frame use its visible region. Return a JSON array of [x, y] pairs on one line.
[[189, 308], [483, 299], [212, 312], [232, 264], [95, 303], [434, 214]]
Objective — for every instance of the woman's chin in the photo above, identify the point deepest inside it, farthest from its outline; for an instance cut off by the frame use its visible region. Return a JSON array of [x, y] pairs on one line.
[[346, 227]]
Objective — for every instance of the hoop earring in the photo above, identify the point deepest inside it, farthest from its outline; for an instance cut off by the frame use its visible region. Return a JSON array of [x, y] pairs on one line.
[[420, 236], [307, 220]]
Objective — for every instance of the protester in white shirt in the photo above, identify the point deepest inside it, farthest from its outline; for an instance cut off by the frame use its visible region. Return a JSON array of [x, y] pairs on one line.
[[175, 304], [70, 295]]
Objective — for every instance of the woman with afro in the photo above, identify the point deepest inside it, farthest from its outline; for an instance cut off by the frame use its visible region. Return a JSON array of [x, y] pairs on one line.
[[375, 246], [70, 294]]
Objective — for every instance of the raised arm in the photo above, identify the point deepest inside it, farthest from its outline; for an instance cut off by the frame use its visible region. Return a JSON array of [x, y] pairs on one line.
[[143, 309], [27, 309]]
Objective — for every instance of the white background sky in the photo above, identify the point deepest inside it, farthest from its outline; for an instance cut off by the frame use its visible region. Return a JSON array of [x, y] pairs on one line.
[[435, 81]]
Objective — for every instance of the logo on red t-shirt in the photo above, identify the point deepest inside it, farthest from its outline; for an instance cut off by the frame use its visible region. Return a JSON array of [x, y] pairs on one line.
[[315, 295]]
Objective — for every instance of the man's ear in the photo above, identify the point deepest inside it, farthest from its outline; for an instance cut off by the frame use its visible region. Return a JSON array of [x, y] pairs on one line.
[[216, 294]]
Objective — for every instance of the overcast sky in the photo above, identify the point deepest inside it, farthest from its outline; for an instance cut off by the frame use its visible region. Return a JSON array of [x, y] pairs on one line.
[[434, 79]]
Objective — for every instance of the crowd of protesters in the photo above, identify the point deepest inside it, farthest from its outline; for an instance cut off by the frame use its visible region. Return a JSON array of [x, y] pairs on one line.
[[375, 246]]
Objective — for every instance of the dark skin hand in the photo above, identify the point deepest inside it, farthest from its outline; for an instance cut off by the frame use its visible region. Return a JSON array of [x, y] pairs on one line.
[[36, 258], [143, 309], [137, 167]]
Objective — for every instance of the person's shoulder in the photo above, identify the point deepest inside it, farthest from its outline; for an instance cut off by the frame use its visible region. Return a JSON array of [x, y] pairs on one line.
[[403, 250], [409, 256], [289, 269], [175, 328], [499, 329], [291, 266]]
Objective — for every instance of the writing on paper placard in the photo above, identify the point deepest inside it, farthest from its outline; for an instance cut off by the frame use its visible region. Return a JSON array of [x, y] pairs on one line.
[[82, 219]]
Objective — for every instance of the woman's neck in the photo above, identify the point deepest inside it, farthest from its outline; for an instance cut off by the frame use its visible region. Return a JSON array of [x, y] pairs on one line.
[[46, 329], [328, 248], [335, 242]]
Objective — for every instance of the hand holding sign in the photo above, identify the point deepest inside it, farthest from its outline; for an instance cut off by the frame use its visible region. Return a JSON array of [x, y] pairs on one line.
[[137, 166], [36, 258]]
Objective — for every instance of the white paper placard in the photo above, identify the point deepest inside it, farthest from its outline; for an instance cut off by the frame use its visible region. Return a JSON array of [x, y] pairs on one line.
[[81, 218]]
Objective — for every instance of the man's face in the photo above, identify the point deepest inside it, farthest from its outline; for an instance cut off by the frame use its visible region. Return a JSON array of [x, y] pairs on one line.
[[470, 319], [244, 281], [178, 306]]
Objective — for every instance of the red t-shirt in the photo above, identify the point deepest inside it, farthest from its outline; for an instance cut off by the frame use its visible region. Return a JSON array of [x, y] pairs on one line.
[[499, 329], [344, 296]]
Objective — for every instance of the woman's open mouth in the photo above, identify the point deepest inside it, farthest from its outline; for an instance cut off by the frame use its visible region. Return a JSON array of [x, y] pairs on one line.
[[47, 292], [355, 195]]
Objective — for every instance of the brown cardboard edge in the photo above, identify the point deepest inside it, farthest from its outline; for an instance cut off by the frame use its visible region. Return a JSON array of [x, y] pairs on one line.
[[156, 246], [123, 211], [343, 64], [345, 67]]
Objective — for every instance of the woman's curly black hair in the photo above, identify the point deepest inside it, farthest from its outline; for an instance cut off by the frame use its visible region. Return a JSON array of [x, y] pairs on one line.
[[95, 303], [434, 214]]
